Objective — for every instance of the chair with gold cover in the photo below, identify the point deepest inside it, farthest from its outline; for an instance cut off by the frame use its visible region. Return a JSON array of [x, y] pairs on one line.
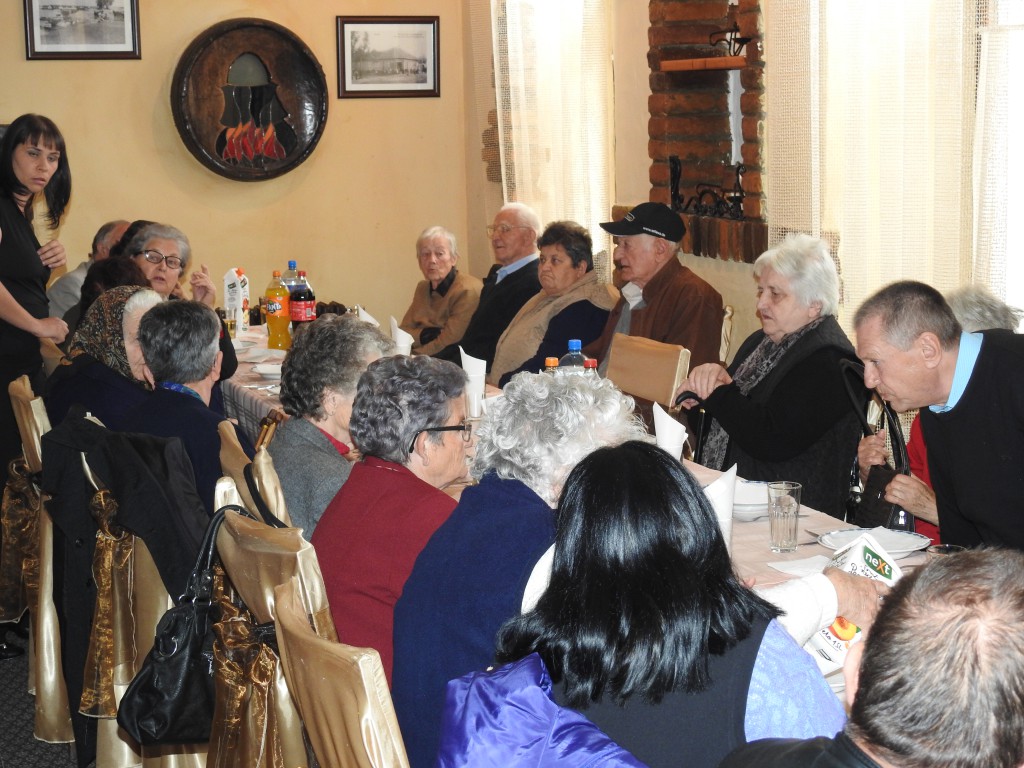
[[340, 690], [256, 718], [647, 369], [264, 482], [28, 549]]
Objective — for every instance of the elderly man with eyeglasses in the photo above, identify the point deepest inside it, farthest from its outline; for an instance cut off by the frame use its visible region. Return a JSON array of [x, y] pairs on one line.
[[409, 423], [511, 282]]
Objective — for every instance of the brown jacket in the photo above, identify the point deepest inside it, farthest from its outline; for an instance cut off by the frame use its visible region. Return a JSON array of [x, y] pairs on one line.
[[681, 308], [450, 312]]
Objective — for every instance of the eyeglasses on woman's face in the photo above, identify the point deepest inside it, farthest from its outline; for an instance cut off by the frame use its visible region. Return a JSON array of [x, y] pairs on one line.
[[465, 428], [155, 257]]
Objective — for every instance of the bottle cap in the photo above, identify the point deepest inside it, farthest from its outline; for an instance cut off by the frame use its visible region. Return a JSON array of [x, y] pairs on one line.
[[302, 273], [277, 273], [240, 271], [590, 363], [550, 362], [574, 345], [292, 264]]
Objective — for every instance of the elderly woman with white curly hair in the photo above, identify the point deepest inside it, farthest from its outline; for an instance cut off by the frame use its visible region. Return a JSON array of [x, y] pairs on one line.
[[473, 573], [781, 410]]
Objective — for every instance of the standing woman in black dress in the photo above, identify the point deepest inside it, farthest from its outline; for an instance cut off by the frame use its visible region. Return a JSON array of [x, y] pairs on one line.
[[33, 161]]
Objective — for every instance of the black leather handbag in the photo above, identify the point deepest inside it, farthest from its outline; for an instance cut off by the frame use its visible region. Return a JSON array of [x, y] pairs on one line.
[[867, 507], [171, 699]]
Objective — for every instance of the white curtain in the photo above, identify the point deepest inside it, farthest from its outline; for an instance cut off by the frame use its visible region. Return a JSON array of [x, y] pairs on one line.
[[868, 136], [999, 153], [553, 86]]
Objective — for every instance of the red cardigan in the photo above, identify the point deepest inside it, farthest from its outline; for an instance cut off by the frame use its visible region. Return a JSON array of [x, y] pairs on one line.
[[367, 542]]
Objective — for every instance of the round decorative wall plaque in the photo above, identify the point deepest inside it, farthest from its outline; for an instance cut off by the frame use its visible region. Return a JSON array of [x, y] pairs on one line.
[[249, 99]]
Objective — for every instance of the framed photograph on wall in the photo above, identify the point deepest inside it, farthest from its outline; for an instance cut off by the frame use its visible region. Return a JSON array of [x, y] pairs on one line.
[[388, 56], [82, 29]]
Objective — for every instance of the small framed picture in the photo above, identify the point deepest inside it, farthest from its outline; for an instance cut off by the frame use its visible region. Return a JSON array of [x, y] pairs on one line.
[[82, 29], [388, 56]]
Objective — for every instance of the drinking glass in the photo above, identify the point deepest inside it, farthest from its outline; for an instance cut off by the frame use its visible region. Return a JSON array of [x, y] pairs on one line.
[[783, 512]]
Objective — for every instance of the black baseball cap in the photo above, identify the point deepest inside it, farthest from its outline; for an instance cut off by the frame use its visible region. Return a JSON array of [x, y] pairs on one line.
[[649, 219]]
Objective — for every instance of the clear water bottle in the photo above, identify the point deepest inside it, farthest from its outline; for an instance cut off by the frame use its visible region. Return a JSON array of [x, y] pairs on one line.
[[572, 361], [290, 277]]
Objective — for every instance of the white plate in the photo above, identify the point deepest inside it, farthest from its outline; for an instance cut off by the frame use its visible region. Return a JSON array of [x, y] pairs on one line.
[[747, 513], [269, 371], [896, 543], [240, 344]]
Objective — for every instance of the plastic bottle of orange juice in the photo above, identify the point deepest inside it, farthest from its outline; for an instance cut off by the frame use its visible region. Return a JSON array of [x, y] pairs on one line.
[[278, 314]]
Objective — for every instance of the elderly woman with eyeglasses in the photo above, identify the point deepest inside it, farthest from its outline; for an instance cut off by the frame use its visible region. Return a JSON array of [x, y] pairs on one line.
[[164, 253], [409, 422], [473, 574]]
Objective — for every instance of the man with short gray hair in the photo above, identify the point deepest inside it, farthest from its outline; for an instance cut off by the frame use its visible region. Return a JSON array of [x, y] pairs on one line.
[[939, 681], [970, 389], [180, 343], [66, 291]]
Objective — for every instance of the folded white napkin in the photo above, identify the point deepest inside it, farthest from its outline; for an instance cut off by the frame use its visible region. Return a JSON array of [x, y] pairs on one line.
[[403, 340], [806, 567], [720, 493], [366, 317], [473, 365], [669, 434]]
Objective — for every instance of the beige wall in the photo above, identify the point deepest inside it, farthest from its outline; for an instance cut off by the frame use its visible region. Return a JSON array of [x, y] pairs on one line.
[[384, 168]]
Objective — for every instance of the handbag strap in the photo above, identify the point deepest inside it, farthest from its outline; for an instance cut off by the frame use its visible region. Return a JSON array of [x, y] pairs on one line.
[[900, 461], [261, 504]]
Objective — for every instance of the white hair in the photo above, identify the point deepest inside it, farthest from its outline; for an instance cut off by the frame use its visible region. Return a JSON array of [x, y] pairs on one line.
[[806, 262], [526, 216], [544, 426]]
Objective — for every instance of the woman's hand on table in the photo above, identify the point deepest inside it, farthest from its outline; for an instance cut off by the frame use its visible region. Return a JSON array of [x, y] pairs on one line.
[[913, 495], [858, 597], [702, 381], [870, 452], [53, 255], [202, 286]]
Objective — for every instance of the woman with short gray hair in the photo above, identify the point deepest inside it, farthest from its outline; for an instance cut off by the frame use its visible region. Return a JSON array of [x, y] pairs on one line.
[[313, 450], [781, 410], [409, 423], [473, 573]]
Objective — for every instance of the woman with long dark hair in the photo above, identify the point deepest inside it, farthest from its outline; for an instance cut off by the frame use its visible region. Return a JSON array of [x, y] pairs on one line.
[[646, 630], [33, 162]]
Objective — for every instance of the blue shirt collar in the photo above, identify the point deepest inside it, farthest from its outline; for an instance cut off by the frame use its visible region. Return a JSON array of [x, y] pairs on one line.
[[967, 356], [515, 266]]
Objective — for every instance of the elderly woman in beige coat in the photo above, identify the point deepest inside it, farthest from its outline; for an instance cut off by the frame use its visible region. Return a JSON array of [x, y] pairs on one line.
[[572, 304]]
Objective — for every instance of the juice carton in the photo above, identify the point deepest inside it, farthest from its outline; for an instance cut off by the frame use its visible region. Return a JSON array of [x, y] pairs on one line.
[[862, 557]]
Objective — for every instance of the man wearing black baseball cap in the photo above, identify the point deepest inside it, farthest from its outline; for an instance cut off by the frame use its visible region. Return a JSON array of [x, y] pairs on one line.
[[662, 299]]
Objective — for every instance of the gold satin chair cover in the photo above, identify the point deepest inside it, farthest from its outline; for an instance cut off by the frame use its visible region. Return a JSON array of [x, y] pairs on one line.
[[19, 556], [341, 692], [646, 368], [46, 677], [111, 655], [255, 721], [260, 720], [233, 462]]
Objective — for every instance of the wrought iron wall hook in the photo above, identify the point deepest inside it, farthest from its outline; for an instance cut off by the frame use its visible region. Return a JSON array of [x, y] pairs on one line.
[[712, 199], [731, 38]]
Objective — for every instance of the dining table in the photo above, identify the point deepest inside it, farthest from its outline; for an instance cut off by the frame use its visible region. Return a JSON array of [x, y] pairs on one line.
[[754, 559], [250, 396]]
